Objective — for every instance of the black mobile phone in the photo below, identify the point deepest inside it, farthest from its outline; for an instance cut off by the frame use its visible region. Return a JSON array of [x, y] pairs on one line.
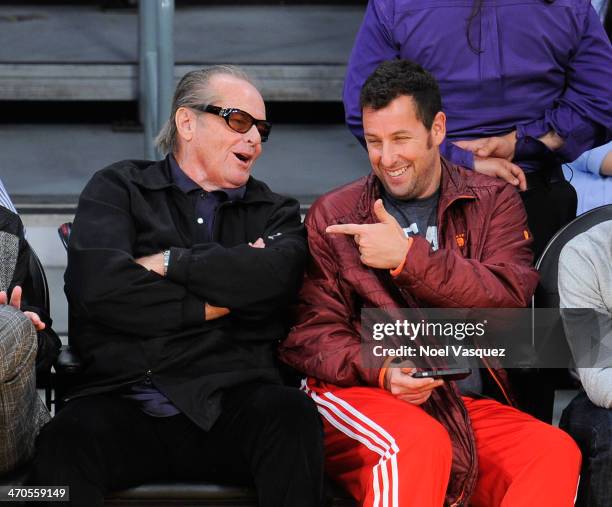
[[448, 374]]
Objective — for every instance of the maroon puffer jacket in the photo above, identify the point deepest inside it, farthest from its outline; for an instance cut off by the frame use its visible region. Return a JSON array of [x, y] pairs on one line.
[[484, 260]]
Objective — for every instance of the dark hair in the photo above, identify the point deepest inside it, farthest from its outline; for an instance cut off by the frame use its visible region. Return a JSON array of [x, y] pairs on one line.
[[394, 78]]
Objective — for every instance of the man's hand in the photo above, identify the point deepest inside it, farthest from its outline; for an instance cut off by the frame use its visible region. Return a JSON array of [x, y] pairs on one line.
[[496, 147], [404, 386], [552, 140], [259, 243], [214, 312], [493, 157], [15, 302], [606, 165], [383, 245], [153, 262], [500, 168]]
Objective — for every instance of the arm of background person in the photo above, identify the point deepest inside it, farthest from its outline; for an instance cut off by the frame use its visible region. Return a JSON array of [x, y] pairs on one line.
[[597, 161], [48, 341], [503, 278], [104, 282], [579, 288], [583, 114]]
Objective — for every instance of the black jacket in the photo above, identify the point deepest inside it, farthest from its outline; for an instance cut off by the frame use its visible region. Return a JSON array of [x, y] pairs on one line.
[[48, 342], [128, 324]]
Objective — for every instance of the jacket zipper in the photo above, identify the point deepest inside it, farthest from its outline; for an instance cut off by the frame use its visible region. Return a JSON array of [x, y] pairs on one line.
[[499, 384], [457, 198], [459, 501], [442, 212]]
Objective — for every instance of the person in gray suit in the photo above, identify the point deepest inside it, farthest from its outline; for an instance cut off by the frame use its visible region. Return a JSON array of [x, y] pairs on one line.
[[27, 345]]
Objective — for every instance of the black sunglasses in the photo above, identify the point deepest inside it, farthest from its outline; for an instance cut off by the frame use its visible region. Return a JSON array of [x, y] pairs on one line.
[[238, 120]]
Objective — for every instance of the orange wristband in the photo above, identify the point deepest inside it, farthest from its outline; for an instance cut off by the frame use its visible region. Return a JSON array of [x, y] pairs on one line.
[[383, 373], [398, 270]]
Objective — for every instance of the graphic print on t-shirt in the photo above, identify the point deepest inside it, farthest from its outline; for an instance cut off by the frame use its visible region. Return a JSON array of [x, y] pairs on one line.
[[431, 235], [416, 216]]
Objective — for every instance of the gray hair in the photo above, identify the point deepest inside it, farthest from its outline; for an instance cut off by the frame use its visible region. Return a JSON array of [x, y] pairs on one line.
[[193, 89]]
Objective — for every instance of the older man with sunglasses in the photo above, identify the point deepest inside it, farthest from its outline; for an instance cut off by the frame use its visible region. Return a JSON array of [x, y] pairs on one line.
[[178, 275]]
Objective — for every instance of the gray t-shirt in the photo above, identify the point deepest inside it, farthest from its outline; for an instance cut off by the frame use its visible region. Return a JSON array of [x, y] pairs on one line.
[[416, 216], [419, 217]]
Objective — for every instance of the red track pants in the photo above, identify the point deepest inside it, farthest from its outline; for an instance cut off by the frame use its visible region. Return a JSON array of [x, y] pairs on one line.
[[389, 453]]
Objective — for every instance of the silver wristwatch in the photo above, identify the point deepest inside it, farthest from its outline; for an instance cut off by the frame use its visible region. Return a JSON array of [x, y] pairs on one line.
[[166, 261]]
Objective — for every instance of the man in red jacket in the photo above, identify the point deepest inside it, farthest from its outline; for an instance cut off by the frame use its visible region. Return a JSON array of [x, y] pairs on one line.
[[420, 232]]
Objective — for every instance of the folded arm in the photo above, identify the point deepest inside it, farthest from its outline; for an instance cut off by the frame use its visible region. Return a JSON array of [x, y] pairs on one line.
[[249, 280]]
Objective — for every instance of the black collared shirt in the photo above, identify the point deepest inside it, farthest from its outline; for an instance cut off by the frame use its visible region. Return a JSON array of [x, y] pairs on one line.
[[205, 203]]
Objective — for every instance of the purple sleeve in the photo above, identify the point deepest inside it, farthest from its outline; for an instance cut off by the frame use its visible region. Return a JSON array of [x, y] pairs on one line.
[[583, 114], [373, 45], [457, 155]]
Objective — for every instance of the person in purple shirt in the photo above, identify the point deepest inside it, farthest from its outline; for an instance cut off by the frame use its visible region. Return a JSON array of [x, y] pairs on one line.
[[525, 87]]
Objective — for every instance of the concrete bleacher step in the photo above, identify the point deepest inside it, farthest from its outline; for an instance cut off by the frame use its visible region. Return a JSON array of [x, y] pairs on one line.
[[81, 52], [45, 166]]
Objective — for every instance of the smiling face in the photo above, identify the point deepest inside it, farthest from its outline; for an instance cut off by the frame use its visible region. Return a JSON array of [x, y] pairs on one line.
[[403, 153], [210, 152]]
